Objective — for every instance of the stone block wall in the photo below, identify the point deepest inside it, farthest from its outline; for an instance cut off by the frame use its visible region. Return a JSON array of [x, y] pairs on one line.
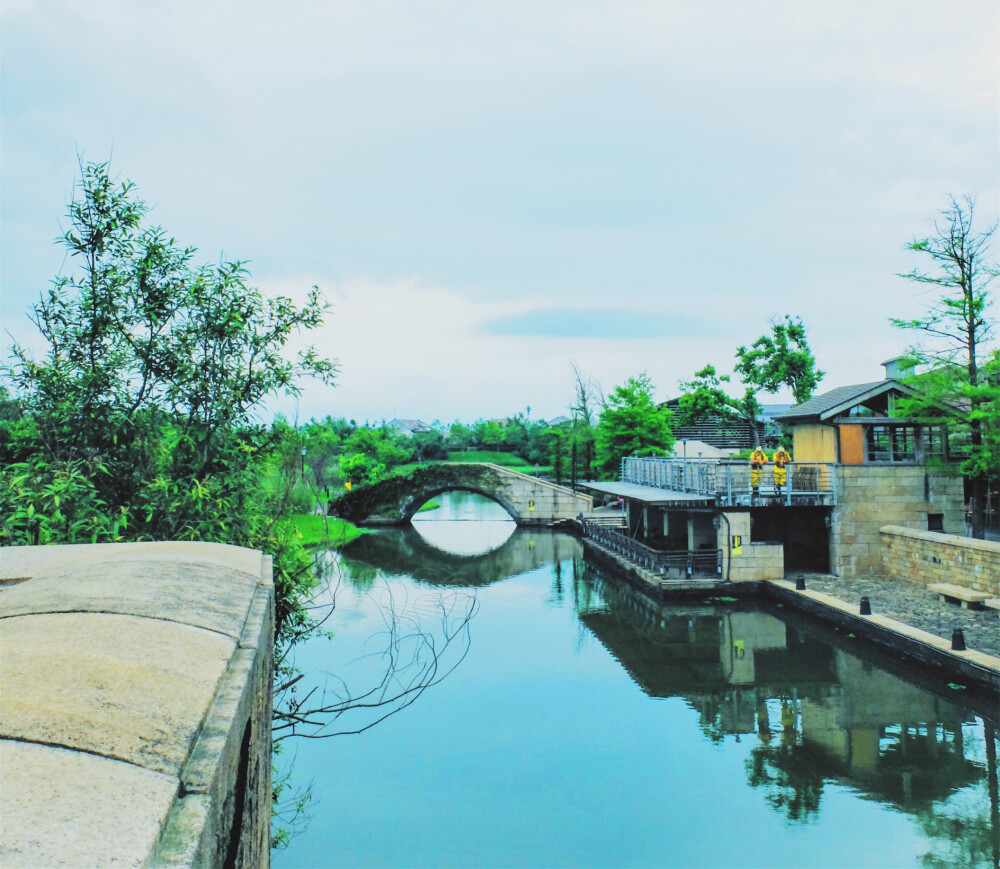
[[872, 496], [757, 561], [929, 557], [539, 501], [136, 684]]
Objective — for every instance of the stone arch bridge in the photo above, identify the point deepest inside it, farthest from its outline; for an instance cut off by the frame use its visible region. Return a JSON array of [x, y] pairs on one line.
[[394, 500]]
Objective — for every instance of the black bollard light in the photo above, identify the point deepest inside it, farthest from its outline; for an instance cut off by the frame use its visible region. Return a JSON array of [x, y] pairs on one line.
[[866, 607], [800, 583], [957, 640]]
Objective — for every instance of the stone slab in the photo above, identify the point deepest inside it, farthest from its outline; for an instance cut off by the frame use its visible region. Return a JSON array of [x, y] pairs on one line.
[[67, 808], [18, 561], [202, 594], [125, 687]]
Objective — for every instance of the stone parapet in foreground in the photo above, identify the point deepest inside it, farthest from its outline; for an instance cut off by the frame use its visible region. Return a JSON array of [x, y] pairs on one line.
[[136, 685]]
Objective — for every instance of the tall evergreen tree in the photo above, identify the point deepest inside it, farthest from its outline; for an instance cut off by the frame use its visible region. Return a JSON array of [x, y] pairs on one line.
[[957, 345]]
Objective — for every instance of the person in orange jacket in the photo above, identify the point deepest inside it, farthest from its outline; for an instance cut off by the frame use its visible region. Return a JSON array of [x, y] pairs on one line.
[[758, 458], [781, 459]]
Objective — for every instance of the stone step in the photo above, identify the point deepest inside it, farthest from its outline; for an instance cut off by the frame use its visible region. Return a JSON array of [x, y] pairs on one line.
[[966, 596]]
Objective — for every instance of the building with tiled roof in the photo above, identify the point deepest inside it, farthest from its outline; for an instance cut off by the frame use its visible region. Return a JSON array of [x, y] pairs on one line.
[[856, 467]]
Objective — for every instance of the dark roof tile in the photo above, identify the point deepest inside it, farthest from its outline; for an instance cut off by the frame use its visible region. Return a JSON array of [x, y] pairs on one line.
[[819, 404]]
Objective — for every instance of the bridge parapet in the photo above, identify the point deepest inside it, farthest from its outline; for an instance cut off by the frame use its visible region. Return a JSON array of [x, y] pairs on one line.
[[137, 705], [395, 500]]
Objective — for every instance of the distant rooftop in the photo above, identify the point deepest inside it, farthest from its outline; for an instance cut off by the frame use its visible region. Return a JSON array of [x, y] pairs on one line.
[[409, 426]]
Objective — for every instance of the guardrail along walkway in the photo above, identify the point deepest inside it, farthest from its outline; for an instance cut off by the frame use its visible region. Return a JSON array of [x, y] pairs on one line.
[[677, 564], [729, 483]]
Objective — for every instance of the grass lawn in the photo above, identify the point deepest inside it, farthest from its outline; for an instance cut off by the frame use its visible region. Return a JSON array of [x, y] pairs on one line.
[[325, 531], [508, 460]]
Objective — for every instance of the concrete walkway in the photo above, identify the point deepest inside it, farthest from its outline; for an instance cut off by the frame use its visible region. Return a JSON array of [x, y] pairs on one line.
[[912, 603]]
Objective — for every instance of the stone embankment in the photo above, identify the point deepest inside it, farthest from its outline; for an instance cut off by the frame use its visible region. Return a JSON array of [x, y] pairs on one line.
[[136, 685], [907, 617], [913, 604]]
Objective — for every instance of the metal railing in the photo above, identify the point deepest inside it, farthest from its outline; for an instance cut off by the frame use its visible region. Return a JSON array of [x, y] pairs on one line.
[[608, 520], [682, 564], [697, 477], [729, 481]]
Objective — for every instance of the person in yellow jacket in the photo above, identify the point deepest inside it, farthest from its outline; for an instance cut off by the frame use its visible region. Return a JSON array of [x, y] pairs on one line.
[[758, 458], [781, 459]]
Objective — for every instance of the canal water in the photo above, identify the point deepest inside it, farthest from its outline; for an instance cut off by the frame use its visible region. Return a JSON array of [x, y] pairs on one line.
[[572, 722]]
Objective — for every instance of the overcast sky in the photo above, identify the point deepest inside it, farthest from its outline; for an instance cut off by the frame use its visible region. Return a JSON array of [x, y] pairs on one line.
[[488, 190]]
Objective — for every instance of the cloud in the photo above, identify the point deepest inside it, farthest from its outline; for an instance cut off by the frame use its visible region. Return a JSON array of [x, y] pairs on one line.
[[410, 349], [566, 322], [490, 190]]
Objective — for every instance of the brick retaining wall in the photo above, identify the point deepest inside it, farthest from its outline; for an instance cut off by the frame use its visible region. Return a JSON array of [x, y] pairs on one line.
[[930, 556]]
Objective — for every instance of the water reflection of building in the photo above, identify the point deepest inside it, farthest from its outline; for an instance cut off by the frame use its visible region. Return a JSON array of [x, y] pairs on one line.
[[818, 711]]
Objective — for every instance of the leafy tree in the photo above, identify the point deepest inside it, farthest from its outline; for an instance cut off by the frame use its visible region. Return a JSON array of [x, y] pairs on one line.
[[359, 468], [487, 433], [556, 438], [368, 454], [704, 397], [957, 337], [538, 449], [460, 436], [139, 421], [631, 423], [429, 446], [322, 445], [781, 359], [515, 434]]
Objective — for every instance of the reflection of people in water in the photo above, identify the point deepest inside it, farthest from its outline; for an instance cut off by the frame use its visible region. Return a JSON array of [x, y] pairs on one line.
[[787, 721], [763, 723]]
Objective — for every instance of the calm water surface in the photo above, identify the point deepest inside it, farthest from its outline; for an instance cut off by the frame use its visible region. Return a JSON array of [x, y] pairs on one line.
[[586, 726]]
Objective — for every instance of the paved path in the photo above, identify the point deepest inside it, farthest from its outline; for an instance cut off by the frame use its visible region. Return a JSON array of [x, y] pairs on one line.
[[912, 603]]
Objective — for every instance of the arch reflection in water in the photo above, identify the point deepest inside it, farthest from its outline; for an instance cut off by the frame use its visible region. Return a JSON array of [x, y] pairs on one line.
[[404, 552], [464, 523]]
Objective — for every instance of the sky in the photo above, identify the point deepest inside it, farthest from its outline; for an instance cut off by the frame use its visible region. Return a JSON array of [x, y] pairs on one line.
[[487, 192]]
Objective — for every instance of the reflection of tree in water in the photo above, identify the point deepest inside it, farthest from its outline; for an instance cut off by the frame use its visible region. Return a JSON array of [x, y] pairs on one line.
[[360, 574], [791, 774], [846, 720], [966, 828], [919, 765], [966, 839]]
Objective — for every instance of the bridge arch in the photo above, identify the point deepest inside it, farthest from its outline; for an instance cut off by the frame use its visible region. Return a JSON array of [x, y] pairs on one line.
[[413, 505], [394, 500]]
